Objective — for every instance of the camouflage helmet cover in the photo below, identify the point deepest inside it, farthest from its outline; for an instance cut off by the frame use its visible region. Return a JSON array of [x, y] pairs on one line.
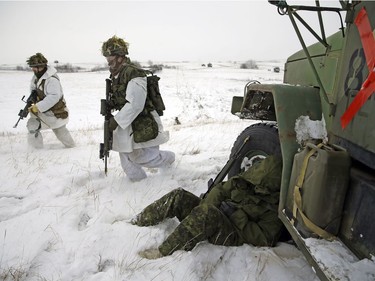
[[115, 46], [37, 60]]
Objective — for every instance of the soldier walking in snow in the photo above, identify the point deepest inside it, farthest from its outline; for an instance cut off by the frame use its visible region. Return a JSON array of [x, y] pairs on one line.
[[50, 110], [137, 128], [241, 210]]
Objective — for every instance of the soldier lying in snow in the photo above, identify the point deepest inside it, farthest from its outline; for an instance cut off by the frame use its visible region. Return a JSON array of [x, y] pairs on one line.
[[241, 210]]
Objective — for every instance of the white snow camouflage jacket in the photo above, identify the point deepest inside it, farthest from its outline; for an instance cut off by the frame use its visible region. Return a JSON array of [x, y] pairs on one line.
[[136, 93], [53, 91]]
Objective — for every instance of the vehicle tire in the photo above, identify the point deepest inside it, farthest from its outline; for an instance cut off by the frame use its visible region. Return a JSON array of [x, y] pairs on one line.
[[263, 141]]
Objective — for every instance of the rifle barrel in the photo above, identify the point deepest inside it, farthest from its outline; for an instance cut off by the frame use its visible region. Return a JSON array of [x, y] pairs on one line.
[[225, 170]]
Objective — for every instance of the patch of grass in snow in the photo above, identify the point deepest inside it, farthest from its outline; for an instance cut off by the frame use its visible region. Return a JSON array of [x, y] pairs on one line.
[[12, 274]]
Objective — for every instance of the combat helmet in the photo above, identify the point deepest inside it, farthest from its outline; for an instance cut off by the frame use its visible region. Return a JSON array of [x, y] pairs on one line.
[[115, 46], [37, 60]]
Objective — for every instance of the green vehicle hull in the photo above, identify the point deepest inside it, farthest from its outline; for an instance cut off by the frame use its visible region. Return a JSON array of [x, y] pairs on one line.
[[320, 83]]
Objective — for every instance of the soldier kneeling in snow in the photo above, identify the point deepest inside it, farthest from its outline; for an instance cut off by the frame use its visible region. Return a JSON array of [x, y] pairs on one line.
[[241, 210]]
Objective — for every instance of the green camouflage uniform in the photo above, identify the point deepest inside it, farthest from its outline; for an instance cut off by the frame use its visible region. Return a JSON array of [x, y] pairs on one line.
[[118, 87], [241, 210]]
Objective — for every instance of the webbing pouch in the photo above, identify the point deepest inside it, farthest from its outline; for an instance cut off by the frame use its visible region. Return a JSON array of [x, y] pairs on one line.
[[145, 127]]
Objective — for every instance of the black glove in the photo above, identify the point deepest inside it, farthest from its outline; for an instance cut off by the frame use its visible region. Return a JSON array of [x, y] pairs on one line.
[[112, 124], [228, 208]]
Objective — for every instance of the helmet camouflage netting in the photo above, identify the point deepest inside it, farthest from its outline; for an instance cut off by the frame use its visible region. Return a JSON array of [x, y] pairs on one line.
[[115, 46], [37, 60]]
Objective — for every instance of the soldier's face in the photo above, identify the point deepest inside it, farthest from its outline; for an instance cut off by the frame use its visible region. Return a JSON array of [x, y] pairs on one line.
[[111, 60], [37, 69], [114, 63]]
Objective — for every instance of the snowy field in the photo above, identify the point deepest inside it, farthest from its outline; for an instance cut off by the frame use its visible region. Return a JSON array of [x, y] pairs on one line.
[[61, 218]]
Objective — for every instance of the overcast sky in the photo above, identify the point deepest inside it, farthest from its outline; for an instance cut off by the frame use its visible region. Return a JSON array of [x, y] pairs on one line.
[[73, 31]]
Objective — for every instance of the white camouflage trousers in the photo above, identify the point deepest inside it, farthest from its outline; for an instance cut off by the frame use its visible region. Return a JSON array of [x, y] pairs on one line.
[[150, 157], [35, 138]]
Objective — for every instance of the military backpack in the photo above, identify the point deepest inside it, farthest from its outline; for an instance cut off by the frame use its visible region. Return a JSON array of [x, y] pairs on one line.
[[153, 93]]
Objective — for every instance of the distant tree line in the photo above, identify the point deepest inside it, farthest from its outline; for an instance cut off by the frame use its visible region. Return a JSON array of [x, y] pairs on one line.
[[68, 68], [250, 64], [151, 66], [60, 68]]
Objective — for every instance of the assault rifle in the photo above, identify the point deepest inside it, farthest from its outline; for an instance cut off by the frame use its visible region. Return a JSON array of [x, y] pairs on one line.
[[105, 110], [25, 111], [225, 170]]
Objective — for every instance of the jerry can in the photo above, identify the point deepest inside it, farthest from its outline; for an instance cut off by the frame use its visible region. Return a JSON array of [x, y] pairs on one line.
[[317, 189]]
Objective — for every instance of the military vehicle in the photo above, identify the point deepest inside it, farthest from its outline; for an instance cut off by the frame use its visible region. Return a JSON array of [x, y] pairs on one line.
[[327, 193]]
